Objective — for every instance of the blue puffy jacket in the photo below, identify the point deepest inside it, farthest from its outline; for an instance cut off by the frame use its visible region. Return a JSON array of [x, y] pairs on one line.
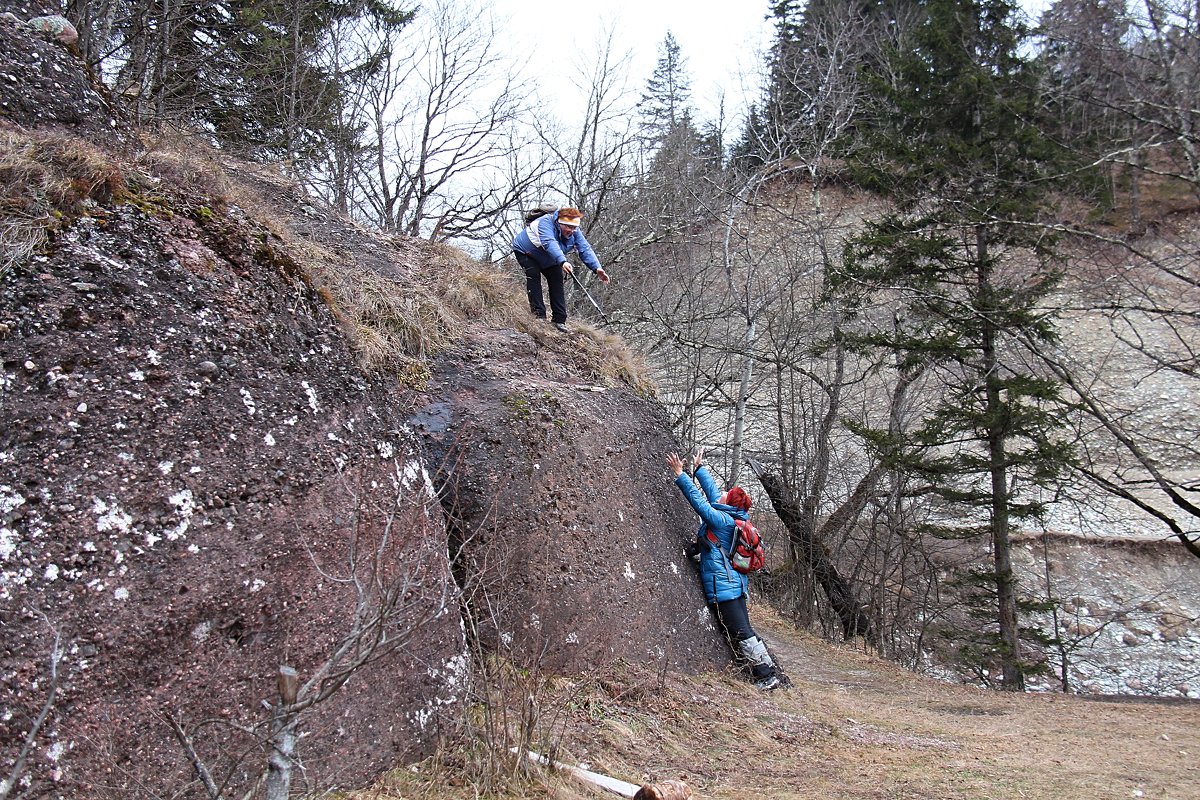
[[542, 240], [721, 581]]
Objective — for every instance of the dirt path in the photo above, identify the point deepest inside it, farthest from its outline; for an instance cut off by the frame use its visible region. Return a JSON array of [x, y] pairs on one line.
[[853, 726]]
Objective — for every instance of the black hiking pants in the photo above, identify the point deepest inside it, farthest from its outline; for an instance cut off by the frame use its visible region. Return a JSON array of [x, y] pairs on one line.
[[533, 287], [735, 619]]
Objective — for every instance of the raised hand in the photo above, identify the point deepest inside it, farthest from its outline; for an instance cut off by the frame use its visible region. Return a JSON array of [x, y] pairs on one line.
[[675, 463]]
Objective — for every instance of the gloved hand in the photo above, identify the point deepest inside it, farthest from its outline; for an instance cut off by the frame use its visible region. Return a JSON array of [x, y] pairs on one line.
[[567, 268]]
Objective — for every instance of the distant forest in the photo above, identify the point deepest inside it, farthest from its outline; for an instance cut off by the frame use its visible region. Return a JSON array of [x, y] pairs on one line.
[[874, 285]]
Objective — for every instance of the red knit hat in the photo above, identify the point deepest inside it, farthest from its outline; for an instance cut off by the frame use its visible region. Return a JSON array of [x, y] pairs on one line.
[[738, 498]]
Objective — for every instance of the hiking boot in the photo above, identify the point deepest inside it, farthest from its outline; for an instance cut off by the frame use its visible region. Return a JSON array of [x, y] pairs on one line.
[[561, 327], [769, 683]]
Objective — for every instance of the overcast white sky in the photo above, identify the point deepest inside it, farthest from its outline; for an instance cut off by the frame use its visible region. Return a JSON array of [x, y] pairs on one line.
[[720, 40]]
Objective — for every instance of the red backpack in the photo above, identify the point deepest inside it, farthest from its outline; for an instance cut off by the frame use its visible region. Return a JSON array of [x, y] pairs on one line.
[[748, 554]]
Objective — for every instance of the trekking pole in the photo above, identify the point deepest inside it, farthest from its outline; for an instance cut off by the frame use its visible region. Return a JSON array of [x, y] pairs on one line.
[[588, 295]]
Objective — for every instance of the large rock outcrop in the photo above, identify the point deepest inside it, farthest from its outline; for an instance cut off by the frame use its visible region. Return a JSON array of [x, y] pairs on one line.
[[567, 526], [200, 482], [192, 469]]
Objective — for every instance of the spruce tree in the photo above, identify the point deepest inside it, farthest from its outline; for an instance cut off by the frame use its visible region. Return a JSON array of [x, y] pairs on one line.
[[666, 103], [255, 74], [955, 145]]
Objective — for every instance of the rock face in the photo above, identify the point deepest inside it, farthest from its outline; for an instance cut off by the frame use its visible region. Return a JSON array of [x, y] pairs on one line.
[[563, 512], [200, 483], [188, 453], [41, 83]]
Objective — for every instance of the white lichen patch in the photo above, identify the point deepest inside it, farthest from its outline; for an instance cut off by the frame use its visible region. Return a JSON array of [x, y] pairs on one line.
[[414, 471], [121, 593], [256, 585], [312, 397], [572, 638], [673, 567], [165, 467], [10, 499], [185, 506], [9, 540], [628, 572], [201, 631], [136, 375], [51, 573], [385, 449], [269, 440], [247, 400], [110, 517], [153, 357]]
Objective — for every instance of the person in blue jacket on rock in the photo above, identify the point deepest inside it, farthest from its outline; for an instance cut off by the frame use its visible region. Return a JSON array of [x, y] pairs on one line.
[[541, 249], [724, 587]]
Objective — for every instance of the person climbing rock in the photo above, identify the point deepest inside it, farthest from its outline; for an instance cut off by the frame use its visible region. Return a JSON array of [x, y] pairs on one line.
[[541, 249], [724, 587]]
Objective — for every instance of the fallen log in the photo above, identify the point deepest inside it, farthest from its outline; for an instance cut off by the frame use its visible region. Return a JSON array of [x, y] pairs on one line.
[[669, 790]]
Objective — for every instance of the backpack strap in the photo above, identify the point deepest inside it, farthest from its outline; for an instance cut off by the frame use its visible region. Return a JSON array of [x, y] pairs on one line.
[[712, 537]]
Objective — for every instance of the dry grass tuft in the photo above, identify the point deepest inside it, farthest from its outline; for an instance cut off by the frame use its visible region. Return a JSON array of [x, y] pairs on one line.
[[475, 290], [188, 168], [47, 179], [609, 357], [392, 325]]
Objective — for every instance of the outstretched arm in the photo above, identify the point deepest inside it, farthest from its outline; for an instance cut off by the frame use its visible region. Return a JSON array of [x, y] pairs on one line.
[[707, 483], [711, 516]]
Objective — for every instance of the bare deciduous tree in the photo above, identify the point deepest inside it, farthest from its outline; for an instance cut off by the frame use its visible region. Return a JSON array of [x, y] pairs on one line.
[[441, 121], [1143, 287]]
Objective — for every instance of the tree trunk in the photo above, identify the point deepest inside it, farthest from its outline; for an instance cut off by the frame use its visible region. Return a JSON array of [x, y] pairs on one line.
[[841, 596], [743, 396], [1006, 594], [283, 737]]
